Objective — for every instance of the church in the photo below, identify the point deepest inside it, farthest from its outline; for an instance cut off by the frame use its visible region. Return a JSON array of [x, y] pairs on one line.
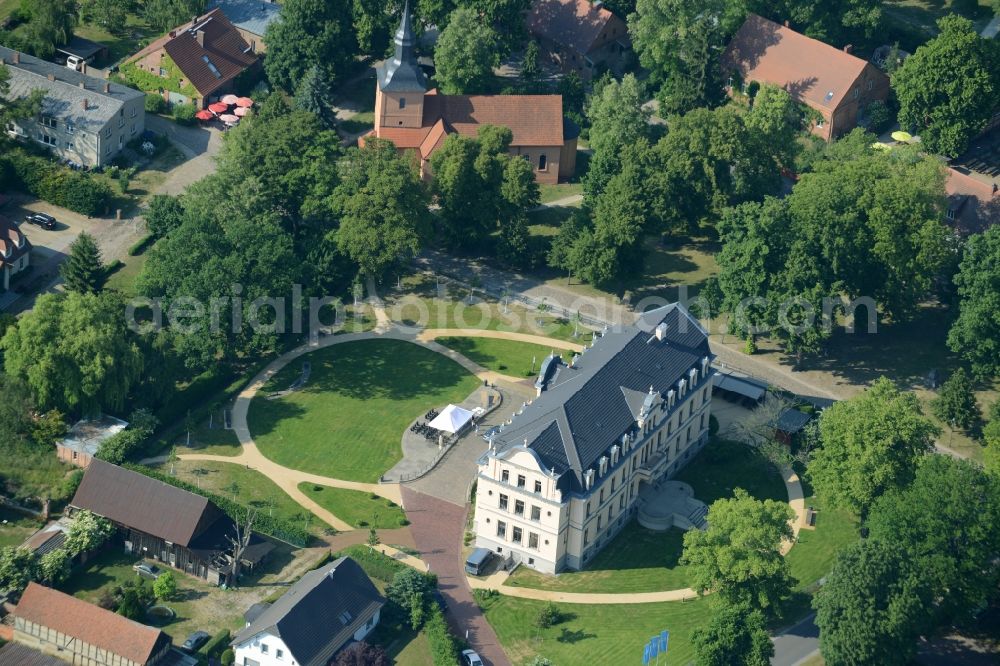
[[419, 119]]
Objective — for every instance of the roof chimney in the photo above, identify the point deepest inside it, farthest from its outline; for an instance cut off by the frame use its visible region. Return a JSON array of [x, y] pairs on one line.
[[17, 57], [107, 87], [200, 36], [83, 67], [849, 48], [86, 105], [786, 23], [83, 85], [995, 188], [52, 77]]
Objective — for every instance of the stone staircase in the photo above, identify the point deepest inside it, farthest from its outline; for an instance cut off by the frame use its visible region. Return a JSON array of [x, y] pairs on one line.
[[698, 516]]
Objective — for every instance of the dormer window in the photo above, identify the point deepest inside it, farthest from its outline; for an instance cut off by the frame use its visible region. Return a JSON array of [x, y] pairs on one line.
[[615, 450], [604, 465], [588, 479]]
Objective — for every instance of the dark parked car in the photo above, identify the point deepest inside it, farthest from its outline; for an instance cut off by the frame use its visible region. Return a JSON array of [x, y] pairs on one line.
[[42, 220], [147, 570], [195, 641]]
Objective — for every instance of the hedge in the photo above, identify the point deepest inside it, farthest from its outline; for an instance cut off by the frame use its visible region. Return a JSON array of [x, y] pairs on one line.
[[263, 523], [141, 245], [113, 267], [217, 644], [79, 192], [443, 644]]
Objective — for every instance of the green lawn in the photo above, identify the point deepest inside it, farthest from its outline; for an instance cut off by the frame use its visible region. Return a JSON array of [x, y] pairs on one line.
[[123, 280], [637, 560], [15, 527], [595, 634], [549, 192], [813, 554], [357, 508], [724, 465], [348, 420], [216, 441], [507, 356], [252, 488]]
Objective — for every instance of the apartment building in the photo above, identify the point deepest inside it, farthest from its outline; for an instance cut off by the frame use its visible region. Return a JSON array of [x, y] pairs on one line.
[[563, 476]]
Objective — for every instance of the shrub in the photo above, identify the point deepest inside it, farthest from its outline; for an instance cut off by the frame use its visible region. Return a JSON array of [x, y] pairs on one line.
[[216, 644], [45, 179], [750, 347], [155, 103], [165, 587], [878, 116], [113, 268], [444, 647], [548, 616], [184, 113], [713, 425], [228, 657], [141, 245]]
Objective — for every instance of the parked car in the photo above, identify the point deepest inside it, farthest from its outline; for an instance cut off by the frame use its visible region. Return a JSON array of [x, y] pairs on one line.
[[470, 658], [147, 570], [195, 641], [42, 220]]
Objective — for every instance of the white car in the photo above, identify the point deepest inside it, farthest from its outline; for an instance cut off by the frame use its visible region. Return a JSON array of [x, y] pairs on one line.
[[470, 658]]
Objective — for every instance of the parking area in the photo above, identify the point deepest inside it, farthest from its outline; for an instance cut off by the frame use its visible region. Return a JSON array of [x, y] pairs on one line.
[[49, 246]]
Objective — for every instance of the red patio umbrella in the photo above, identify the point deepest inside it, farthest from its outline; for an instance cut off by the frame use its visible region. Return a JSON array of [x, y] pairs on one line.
[[204, 114], [218, 107], [229, 99], [245, 102]]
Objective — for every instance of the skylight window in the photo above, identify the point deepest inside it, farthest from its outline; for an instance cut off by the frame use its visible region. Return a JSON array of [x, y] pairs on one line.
[[829, 96], [215, 70], [345, 617]]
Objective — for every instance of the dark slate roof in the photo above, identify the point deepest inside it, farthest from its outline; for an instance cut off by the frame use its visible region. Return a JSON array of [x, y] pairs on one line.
[[82, 48], [320, 613], [255, 611], [792, 421], [402, 73], [250, 15], [66, 93], [151, 506], [588, 405], [15, 654]]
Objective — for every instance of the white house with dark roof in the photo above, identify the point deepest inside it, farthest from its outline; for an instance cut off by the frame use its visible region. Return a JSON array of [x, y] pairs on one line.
[[84, 119], [326, 610], [564, 476]]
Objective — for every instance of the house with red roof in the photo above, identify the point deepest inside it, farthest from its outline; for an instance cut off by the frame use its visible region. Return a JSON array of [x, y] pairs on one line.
[[15, 252], [836, 85], [973, 203], [195, 63], [581, 36], [418, 119]]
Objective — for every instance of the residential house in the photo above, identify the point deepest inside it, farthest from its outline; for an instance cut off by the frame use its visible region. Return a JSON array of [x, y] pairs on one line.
[[83, 440], [327, 609], [62, 626], [564, 476], [198, 62], [836, 85], [973, 204], [250, 18], [84, 119], [15, 252], [417, 119], [161, 522], [581, 36]]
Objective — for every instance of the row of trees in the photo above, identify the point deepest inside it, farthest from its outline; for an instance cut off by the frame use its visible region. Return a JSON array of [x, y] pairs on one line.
[[929, 524]]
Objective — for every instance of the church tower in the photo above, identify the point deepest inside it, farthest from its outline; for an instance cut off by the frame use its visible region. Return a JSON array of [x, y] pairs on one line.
[[399, 98]]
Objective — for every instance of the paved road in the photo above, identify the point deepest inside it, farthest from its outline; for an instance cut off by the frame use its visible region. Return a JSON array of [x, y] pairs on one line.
[[796, 644], [199, 144], [437, 527]]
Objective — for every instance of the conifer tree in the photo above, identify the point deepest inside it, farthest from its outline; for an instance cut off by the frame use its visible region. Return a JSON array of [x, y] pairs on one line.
[[83, 271]]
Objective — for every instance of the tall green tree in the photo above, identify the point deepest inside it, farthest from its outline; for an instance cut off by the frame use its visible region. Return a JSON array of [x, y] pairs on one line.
[[950, 87], [165, 213], [617, 120], [18, 567], [83, 271], [739, 556], [832, 21], [870, 611], [956, 403], [382, 206], [75, 352], [947, 524], [466, 54], [307, 33], [775, 120], [50, 24], [374, 22], [166, 14], [975, 334], [109, 14], [315, 95], [679, 42], [736, 636], [871, 444]]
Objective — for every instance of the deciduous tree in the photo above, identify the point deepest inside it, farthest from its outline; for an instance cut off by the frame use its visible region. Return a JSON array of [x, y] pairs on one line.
[[738, 557], [956, 403], [18, 567], [617, 119], [736, 636], [166, 14], [871, 444], [309, 32], [975, 335], [466, 54], [949, 88]]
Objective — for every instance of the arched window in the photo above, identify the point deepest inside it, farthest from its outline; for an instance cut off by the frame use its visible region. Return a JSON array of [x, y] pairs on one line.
[[542, 162]]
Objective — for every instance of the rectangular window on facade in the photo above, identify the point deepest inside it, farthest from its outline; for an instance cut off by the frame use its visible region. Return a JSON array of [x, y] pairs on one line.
[[599, 523], [543, 163], [621, 501], [536, 512], [503, 502], [516, 536], [521, 481], [586, 537], [538, 486], [871, 84], [588, 509], [532, 540], [402, 103], [263, 648], [501, 529], [518, 508], [505, 476], [601, 501], [280, 654]]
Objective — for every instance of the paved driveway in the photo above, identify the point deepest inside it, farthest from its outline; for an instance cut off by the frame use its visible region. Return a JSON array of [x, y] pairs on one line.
[[437, 527], [199, 144]]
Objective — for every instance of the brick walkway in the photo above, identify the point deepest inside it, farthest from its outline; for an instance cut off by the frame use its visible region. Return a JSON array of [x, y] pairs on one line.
[[437, 527]]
